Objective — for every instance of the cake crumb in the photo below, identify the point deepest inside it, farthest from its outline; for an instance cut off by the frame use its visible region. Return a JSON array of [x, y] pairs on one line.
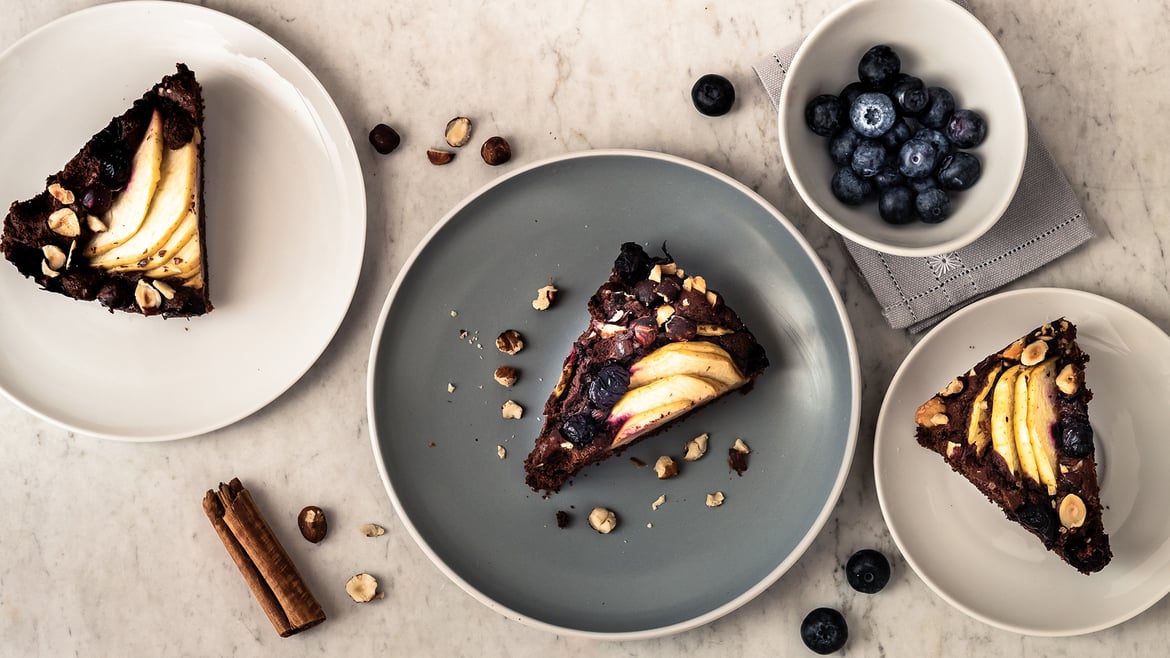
[[649, 525], [562, 519], [737, 461], [454, 313]]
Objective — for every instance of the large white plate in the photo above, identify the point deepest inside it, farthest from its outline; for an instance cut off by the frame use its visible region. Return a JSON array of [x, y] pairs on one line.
[[285, 223], [962, 546], [661, 571]]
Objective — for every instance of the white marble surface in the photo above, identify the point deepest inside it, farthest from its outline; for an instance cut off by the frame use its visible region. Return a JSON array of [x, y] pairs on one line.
[[104, 548]]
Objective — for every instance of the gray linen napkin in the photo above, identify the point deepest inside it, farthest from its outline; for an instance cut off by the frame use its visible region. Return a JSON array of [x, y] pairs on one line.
[[1043, 222]]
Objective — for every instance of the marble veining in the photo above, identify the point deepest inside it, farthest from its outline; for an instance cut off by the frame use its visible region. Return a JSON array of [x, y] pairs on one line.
[[105, 550]]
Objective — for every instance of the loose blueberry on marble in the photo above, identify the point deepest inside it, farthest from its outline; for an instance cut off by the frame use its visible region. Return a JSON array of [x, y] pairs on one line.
[[938, 109], [933, 205], [850, 93], [867, 571], [888, 177], [872, 114], [966, 128], [841, 147], [824, 631], [823, 114], [1076, 436], [942, 145], [896, 205], [879, 66], [909, 95], [958, 171], [917, 158], [713, 95], [868, 158], [849, 188], [897, 135]]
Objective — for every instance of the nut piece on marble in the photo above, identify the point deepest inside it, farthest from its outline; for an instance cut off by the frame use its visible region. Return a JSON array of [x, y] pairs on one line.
[[313, 523], [715, 499], [509, 341], [362, 588], [458, 131], [665, 467], [496, 151], [371, 530], [439, 156], [506, 376], [602, 520], [545, 297], [696, 447], [511, 410]]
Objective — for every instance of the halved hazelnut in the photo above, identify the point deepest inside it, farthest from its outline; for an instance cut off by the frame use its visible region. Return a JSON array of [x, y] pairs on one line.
[[602, 520], [458, 131], [61, 194], [715, 499], [545, 297], [147, 297], [712, 298], [1033, 353], [669, 268], [512, 410], [663, 313], [655, 274], [439, 157], [165, 288], [54, 256], [696, 447], [506, 376], [665, 467], [95, 224], [1014, 350], [1072, 511], [510, 342], [1069, 379], [926, 415], [956, 386], [64, 222], [362, 588], [48, 271]]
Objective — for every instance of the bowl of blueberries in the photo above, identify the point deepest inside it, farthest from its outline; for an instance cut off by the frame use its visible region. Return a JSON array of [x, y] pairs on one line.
[[902, 125]]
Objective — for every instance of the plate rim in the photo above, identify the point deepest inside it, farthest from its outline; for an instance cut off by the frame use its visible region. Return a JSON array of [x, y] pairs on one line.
[[327, 112], [780, 569], [957, 317]]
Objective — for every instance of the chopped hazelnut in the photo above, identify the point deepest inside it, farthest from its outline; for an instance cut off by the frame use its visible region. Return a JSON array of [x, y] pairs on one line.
[[510, 342], [665, 467], [506, 376], [64, 222], [658, 502], [715, 499], [61, 194], [501, 451], [512, 410], [54, 256], [362, 588], [696, 447], [602, 520], [740, 446], [371, 530], [545, 297], [439, 156]]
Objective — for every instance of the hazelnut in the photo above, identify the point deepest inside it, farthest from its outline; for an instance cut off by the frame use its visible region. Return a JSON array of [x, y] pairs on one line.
[[439, 157], [712, 298], [665, 467], [669, 289], [512, 410], [711, 330], [48, 271], [655, 274], [510, 342], [740, 446], [312, 523], [669, 268], [371, 530], [925, 416], [602, 520], [384, 139], [61, 194], [147, 297], [458, 131], [164, 288], [696, 447], [501, 451], [545, 297], [64, 222], [362, 588], [496, 151], [699, 284], [506, 376], [658, 502], [1014, 350], [1033, 353], [663, 314], [1072, 511], [96, 225], [69, 256], [953, 388], [53, 256], [1069, 379], [645, 333], [715, 499]]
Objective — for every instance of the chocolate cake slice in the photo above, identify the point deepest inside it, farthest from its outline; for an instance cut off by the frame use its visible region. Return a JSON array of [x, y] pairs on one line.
[[659, 345], [1017, 427], [122, 222]]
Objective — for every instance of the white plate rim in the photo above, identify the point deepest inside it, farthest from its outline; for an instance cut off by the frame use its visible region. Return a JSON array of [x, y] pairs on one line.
[[728, 607], [316, 96], [1076, 297]]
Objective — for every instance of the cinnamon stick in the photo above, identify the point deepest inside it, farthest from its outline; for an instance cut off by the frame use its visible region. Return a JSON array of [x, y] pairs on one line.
[[266, 567]]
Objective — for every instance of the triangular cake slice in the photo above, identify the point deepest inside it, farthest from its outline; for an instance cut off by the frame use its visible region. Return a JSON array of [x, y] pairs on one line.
[[1017, 427], [122, 223], [659, 344]]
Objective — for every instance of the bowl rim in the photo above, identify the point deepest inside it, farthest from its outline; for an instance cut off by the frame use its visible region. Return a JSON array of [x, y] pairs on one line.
[[1020, 115]]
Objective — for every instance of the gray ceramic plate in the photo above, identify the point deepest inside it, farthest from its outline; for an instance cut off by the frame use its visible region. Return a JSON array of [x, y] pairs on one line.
[[664, 570]]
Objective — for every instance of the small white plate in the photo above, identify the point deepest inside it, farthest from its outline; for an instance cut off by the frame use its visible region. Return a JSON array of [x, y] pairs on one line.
[[285, 223], [962, 546]]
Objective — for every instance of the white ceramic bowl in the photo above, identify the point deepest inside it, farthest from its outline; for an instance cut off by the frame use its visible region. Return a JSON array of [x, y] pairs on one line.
[[942, 43]]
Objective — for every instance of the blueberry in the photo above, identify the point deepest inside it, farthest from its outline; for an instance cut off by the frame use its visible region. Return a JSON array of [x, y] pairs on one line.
[[872, 114], [868, 158], [933, 206], [958, 171], [579, 428], [713, 95], [114, 169], [842, 146], [920, 185], [909, 95], [942, 145], [867, 571], [916, 158], [888, 177], [966, 129], [850, 93], [1038, 518], [824, 630], [632, 264], [849, 188], [822, 115], [896, 205], [879, 66], [1076, 436], [897, 135], [608, 386], [939, 109], [96, 199]]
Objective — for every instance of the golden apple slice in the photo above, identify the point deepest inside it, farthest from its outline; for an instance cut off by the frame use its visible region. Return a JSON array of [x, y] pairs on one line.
[[1042, 421], [700, 358], [181, 264], [173, 201], [979, 429], [1002, 417], [1020, 425], [645, 408], [644, 422], [129, 208]]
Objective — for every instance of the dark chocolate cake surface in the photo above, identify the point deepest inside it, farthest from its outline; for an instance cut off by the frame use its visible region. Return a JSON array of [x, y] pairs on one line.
[[659, 344]]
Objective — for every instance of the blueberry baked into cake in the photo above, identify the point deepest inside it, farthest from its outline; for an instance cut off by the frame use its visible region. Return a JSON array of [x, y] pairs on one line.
[[1017, 427], [659, 345], [122, 222]]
